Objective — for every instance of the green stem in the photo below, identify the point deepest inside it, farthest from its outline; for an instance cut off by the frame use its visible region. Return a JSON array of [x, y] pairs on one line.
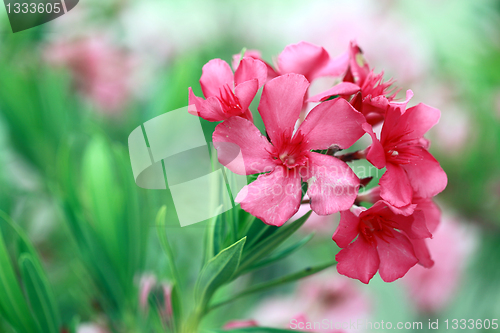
[[274, 283]]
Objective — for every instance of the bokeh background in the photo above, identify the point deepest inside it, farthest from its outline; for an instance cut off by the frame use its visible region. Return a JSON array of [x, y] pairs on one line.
[[73, 89]]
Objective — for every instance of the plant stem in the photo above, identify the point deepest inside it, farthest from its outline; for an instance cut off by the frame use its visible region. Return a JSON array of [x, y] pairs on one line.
[[273, 283], [356, 155]]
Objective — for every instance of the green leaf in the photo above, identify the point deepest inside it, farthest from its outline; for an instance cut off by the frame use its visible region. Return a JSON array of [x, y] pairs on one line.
[[212, 236], [162, 235], [13, 305], [276, 282], [281, 254], [218, 271], [177, 310], [39, 295], [269, 244]]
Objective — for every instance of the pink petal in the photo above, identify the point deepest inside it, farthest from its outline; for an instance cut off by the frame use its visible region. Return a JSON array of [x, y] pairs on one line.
[[333, 122], [404, 210], [414, 226], [250, 69], [248, 53], [245, 92], [343, 88], [194, 103], [332, 185], [215, 74], [359, 260], [336, 66], [426, 175], [303, 58], [432, 212], [347, 229], [401, 106], [281, 102], [376, 153], [211, 110], [274, 197], [242, 148], [358, 64], [422, 253], [393, 126], [395, 187], [421, 118], [375, 108], [396, 257]]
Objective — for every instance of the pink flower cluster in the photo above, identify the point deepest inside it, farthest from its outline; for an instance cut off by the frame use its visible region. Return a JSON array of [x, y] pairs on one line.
[[297, 148]]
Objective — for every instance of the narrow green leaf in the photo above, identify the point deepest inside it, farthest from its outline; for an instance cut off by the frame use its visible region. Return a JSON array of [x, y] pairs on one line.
[[177, 311], [269, 244], [162, 235], [281, 254], [242, 53], [218, 271], [276, 282], [212, 236], [39, 295], [12, 302]]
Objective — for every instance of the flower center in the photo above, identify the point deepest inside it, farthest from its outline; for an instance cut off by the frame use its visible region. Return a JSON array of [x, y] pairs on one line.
[[401, 149], [372, 226], [291, 152], [229, 101]]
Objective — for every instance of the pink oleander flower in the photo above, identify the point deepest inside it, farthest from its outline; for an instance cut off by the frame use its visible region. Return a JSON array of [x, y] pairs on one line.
[[287, 160], [378, 239], [402, 149], [371, 97], [430, 213], [101, 71], [227, 94], [326, 295], [432, 289], [304, 58]]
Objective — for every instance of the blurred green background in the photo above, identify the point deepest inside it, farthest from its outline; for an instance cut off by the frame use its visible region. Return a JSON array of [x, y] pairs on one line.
[[72, 90]]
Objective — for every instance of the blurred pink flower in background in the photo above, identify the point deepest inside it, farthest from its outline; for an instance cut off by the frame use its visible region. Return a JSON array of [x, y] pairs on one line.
[[148, 284], [322, 224], [240, 324], [101, 71], [451, 246], [456, 128], [324, 296]]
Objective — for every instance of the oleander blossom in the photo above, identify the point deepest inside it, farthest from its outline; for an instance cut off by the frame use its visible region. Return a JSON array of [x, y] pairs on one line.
[[367, 91], [288, 158], [227, 94], [378, 239], [402, 149]]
